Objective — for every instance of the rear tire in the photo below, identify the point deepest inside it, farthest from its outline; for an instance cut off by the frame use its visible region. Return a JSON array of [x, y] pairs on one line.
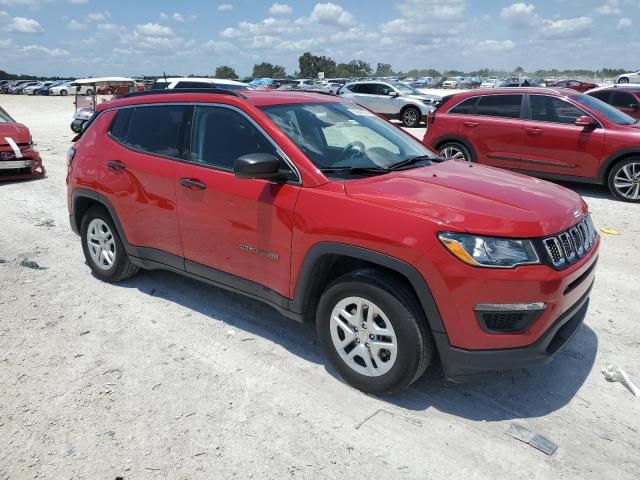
[[623, 80], [103, 248], [410, 117], [624, 180], [63, 93], [455, 151], [373, 332]]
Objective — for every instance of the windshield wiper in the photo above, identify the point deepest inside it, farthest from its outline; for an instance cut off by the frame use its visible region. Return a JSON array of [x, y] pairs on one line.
[[408, 162], [355, 170]]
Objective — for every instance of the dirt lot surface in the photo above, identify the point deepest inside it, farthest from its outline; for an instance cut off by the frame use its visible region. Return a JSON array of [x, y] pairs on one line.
[[164, 377]]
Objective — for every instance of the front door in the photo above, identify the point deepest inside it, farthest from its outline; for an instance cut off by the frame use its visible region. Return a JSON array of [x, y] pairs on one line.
[[554, 144], [232, 226]]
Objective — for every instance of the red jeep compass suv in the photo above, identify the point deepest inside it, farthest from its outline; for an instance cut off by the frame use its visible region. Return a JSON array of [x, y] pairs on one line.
[[551, 133], [331, 214]]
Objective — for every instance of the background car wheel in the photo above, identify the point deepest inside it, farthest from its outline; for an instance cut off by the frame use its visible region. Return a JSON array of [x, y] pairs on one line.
[[455, 151], [623, 80], [373, 332], [103, 248], [410, 117], [63, 93], [624, 180]]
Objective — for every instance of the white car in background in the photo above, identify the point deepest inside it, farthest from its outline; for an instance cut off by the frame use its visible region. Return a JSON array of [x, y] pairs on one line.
[[187, 82], [67, 89], [452, 82], [633, 77], [489, 82], [392, 100]]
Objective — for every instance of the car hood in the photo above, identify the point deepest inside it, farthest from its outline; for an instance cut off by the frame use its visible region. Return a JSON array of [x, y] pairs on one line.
[[425, 98], [475, 198], [17, 131]]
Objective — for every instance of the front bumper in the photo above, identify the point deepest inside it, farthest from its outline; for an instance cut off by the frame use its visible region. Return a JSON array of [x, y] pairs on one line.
[[460, 364], [30, 166]]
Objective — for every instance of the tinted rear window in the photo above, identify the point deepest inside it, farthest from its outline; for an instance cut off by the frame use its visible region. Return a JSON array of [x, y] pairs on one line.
[[465, 107], [507, 106], [156, 130]]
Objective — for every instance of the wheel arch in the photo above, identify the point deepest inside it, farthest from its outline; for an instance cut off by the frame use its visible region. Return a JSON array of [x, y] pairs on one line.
[[326, 261], [609, 163], [82, 200]]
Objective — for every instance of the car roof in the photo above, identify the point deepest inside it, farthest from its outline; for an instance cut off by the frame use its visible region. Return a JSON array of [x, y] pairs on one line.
[[625, 88], [559, 91], [258, 98], [199, 79]]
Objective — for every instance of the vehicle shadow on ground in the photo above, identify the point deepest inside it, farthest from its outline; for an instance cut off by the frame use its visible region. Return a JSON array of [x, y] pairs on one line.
[[589, 190], [499, 396]]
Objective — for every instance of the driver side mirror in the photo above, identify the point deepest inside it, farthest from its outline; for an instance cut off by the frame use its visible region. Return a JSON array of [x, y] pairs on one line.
[[586, 121], [634, 106], [259, 165]]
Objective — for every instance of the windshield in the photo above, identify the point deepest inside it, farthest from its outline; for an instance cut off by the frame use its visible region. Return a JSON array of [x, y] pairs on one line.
[[405, 89], [345, 136], [4, 117], [610, 113]]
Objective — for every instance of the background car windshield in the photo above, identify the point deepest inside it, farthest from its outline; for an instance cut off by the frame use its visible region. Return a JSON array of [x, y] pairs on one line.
[[4, 117], [610, 113], [405, 89], [337, 135]]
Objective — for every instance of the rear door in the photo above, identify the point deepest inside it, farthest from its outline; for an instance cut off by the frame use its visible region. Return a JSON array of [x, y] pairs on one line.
[[554, 144], [138, 175], [494, 128], [232, 226]]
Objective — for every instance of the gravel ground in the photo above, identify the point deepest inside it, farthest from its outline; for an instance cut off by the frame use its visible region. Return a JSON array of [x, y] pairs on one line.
[[165, 377]]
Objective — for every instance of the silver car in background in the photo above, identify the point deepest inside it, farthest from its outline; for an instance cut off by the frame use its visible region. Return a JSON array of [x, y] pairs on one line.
[[392, 100]]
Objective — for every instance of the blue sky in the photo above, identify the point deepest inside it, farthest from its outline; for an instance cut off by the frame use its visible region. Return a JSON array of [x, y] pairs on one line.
[[91, 37]]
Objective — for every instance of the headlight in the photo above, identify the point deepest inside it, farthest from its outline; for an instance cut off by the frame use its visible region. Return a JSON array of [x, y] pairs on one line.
[[488, 251]]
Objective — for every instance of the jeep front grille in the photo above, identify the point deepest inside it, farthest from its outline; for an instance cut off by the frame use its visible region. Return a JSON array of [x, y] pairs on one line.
[[569, 246]]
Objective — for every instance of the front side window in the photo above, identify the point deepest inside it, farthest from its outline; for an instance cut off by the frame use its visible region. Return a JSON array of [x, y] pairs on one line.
[[345, 136], [220, 135], [507, 106], [154, 129], [551, 109], [366, 88]]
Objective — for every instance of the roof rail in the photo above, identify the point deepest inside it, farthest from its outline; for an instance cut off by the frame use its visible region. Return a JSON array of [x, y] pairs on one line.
[[217, 91], [309, 90]]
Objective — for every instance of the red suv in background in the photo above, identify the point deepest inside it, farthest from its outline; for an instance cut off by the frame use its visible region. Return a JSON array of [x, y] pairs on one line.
[[551, 133], [331, 214], [576, 85], [624, 98]]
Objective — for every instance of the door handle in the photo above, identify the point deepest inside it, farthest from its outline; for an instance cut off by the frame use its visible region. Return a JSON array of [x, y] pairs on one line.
[[192, 184], [116, 165], [470, 124], [534, 131]]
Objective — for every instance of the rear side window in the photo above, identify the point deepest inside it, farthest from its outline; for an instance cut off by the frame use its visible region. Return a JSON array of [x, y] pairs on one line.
[[604, 96], [551, 109], [466, 107], [622, 99], [220, 135], [507, 106], [157, 130], [193, 85]]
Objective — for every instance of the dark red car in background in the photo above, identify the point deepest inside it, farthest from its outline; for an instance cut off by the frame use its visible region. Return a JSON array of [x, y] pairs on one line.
[[625, 99], [576, 85], [18, 159], [552, 133]]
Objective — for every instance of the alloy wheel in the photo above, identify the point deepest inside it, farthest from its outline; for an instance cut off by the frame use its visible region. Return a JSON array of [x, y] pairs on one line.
[[101, 244], [453, 153], [627, 181], [363, 336], [410, 117]]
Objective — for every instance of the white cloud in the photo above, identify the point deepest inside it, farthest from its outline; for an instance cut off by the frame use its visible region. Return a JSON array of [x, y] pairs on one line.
[[520, 14], [495, 45], [76, 25], [50, 52], [330, 13], [611, 7], [280, 9], [19, 3], [623, 23], [225, 7], [565, 28], [178, 17], [153, 30], [24, 25], [99, 16]]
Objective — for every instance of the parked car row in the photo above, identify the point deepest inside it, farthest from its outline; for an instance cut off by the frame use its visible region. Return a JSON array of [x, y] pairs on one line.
[[32, 87]]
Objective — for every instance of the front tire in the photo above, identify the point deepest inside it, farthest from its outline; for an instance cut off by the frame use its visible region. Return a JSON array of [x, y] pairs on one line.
[[63, 93], [410, 117], [624, 180], [373, 332], [455, 151], [623, 80], [103, 248]]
